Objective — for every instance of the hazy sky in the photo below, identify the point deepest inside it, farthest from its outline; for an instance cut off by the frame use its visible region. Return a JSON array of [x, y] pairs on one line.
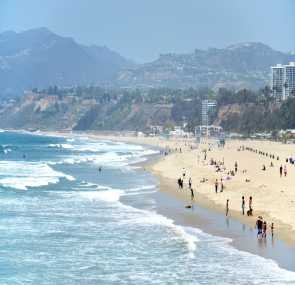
[[142, 29]]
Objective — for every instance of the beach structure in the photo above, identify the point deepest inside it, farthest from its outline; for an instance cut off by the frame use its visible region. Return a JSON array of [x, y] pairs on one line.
[[283, 81]]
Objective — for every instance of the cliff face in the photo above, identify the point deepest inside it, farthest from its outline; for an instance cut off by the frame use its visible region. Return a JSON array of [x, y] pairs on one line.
[[52, 112]]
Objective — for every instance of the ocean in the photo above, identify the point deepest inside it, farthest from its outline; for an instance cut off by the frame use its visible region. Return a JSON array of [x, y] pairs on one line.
[[62, 221]]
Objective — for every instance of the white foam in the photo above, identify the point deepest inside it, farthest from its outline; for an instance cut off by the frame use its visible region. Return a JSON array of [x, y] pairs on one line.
[[152, 219], [21, 175], [143, 187], [107, 196], [7, 150], [64, 146]]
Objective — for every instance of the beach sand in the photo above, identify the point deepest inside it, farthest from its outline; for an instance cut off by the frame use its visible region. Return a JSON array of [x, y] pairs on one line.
[[273, 196]]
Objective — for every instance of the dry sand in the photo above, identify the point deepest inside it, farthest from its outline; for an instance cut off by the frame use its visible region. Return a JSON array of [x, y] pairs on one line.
[[273, 196]]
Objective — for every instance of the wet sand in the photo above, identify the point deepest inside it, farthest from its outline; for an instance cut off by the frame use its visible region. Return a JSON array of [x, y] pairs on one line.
[[214, 221]]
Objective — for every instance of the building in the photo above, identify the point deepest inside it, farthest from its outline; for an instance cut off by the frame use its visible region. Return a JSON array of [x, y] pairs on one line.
[[277, 81], [283, 81], [289, 80], [207, 107], [210, 131]]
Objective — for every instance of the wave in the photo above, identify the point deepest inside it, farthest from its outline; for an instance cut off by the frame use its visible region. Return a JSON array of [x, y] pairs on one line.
[[143, 217], [22, 175], [64, 146], [107, 196]]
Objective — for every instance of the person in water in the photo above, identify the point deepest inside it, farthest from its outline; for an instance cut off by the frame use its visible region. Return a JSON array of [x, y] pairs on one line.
[[259, 225], [272, 229], [264, 229]]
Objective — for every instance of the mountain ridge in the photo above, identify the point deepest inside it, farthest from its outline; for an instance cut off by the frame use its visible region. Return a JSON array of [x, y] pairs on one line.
[[242, 65], [39, 58]]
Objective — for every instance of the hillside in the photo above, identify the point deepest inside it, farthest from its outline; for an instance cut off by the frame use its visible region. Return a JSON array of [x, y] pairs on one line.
[[245, 65], [39, 58], [84, 112], [93, 108]]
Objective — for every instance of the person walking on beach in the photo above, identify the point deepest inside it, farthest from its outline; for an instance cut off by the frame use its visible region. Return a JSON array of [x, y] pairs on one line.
[[221, 185], [285, 170], [216, 186], [281, 171], [227, 207], [236, 167], [243, 205]]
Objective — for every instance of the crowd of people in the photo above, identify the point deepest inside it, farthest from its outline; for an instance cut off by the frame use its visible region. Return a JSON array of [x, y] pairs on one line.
[[219, 185]]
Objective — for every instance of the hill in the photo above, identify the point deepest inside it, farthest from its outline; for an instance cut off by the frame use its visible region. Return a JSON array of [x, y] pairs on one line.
[[39, 58], [245, 65]]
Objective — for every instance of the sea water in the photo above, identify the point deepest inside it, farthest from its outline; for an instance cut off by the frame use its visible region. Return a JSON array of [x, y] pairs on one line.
[[62, 221]]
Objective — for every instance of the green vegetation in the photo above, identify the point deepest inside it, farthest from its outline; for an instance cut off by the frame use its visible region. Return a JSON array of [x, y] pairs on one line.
[[94, 108]]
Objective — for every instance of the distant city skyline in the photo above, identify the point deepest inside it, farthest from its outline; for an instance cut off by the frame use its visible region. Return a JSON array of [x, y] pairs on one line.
[[141, 30]]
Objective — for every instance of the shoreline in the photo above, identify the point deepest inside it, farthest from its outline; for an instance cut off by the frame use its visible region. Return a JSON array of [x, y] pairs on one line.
[[168, 187], [283, 231]]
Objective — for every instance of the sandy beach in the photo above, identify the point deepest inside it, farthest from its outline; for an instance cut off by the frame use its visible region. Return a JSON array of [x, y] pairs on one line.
[[273, 196]]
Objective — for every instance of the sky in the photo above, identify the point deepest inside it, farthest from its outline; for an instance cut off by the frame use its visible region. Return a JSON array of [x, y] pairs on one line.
[[142, 29]]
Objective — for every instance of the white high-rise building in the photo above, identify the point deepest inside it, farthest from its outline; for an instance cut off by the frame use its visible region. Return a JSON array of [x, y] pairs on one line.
[[283, 81], [207, 107], [289, 80], [277, 81]]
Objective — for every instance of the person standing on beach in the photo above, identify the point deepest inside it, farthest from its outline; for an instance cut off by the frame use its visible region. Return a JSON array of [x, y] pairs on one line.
[[227, 207], [190, 183], [236, 167], [216, 186], [221, 185], [183, 173], [281, 171], [243, 205], [285, 170], [250, 205], [192, 194]]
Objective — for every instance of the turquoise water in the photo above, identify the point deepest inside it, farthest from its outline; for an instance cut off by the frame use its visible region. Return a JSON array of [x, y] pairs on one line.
[[64, 222]]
